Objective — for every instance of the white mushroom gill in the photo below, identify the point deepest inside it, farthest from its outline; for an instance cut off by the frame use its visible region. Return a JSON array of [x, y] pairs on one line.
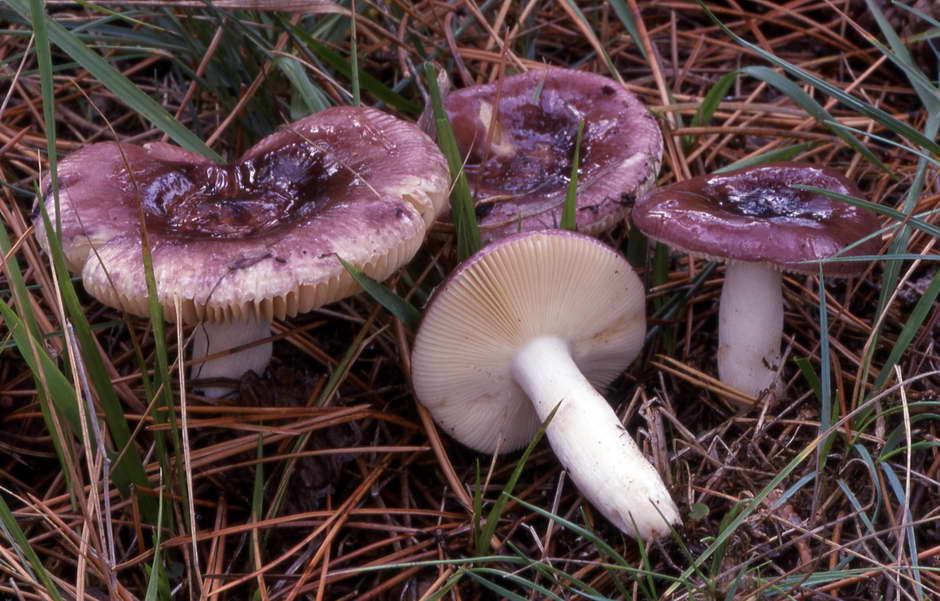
[[531, 321]]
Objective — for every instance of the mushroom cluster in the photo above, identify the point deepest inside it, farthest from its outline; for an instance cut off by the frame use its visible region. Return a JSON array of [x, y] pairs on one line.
[[757, 221], [519, 137], [535, 323], [238, 245]]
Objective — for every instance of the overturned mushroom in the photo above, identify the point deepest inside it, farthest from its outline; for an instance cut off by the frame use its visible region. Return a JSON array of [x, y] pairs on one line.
[[533, 322], [519, 136], [238, 245], [761, 225]]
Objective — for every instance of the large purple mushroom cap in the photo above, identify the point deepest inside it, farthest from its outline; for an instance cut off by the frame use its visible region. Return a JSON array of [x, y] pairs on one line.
[[519, 135], [755, 215], [259, 238]]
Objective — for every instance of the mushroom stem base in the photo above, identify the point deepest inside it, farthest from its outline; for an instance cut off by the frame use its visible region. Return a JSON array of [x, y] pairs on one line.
[[212, 338], [589, 440], [750, 327]]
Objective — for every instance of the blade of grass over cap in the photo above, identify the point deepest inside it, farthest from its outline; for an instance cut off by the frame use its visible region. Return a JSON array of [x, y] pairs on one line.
[[568, 217], [396, 305], [464, 216], [122, 87], [874, 207]]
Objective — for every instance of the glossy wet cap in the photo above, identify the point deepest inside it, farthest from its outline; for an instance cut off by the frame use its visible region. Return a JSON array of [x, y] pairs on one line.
[[258, 238], [755, 215], [520, 149], [547, 283]]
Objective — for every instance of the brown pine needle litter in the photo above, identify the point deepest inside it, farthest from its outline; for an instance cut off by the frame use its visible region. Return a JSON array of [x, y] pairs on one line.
[[321, 478]]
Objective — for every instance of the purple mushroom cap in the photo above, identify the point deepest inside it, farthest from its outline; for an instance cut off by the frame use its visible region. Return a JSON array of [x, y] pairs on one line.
[[258, 238], [755, 215], [519, 135]]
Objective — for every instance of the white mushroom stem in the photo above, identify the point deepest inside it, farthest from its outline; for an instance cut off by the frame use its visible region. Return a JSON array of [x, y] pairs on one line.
[[750, 328], [212, 338], [599, 454]]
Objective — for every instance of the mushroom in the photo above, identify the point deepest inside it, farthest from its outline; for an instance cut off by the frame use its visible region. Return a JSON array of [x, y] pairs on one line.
[[535, 322], [238, 245], [519, 137], [756, 220]]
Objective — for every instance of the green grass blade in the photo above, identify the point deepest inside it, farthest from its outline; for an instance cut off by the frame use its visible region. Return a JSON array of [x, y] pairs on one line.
[[43, 367], [892, 270], [122, 87], [780, 154], [462, 209], [886, 141], [809, 374], [568, 215], [354, 57], [910, 535], [822, 85], [336, 61], [129, 470], [619, 563], [503, 592], [313, 98], [51, 385], [156, 570], [637, 250], [20, 544], [44, 58], [394, 304], [492, 519], [756, 501], [901, 56], [925, 305], [579, 14], [626, 18], [874, 207], [544, 593], [825, 376], [706, 110], [813, 108]]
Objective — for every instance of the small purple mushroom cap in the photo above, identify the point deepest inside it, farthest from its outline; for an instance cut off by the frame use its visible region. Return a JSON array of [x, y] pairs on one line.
[[520, 148], [756, 215], [757, 221]]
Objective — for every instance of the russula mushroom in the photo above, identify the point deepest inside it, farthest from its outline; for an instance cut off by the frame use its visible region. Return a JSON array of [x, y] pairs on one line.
[[519, 136], [237, 245], [756, 220], [531, 322]]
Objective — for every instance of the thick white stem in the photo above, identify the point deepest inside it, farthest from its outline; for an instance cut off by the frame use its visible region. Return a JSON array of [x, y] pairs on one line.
[[599, 454], [750, 328], [211, 338]]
